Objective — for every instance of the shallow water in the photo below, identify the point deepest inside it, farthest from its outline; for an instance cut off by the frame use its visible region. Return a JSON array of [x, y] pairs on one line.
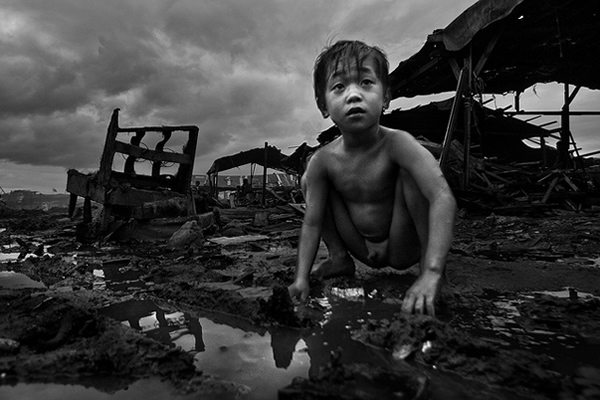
[[502, 327], [267, 360], [140, 390], [16, 280]]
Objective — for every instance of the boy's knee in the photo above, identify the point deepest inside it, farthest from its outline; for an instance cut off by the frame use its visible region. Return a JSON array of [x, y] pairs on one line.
[[303, 184]]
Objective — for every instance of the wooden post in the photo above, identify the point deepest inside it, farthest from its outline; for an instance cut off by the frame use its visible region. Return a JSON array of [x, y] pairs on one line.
[[72, 204], [467, 122], [565, 128], [264, 191], [108, 154], [544, 151], [216, 194], [453, 117]]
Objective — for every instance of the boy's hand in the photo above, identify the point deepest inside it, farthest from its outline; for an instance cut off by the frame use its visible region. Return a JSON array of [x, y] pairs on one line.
[[421, 296], [299, 289]]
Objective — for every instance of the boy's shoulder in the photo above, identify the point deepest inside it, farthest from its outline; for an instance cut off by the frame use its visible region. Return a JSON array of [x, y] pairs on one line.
[[398, 137], [393, 132]]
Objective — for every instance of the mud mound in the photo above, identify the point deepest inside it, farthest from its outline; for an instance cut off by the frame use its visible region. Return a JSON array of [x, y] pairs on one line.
[[357, 381], [53, 339], [433, 342]]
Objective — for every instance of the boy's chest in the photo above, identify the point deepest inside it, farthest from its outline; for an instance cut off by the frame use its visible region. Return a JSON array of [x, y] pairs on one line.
[[358, 177]]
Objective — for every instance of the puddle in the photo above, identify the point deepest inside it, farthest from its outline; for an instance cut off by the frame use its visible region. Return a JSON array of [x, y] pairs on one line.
[[7, 253], [116, 276], [595, 262], [503, 326], [5, 257], [567, 293], [140, 390], [261, 360], [266, 360], [16, 280]]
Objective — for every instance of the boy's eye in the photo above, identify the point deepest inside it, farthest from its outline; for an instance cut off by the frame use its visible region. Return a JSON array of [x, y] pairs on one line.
[[338, 86], [367, 82]]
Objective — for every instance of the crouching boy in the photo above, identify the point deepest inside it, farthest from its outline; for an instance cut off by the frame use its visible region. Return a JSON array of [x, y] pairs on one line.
[[373, 193]]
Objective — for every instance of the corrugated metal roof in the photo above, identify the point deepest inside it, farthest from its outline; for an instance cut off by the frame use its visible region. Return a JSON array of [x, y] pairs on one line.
[[538, 41]]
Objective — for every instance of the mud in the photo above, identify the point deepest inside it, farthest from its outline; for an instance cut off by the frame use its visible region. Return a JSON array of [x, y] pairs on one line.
[[522, 320]]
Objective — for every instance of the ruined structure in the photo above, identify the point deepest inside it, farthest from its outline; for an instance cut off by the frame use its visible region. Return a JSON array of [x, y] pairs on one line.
[[128, 193]]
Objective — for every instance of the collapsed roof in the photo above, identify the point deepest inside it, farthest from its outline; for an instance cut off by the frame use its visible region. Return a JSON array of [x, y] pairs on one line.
[[498, 135], [268, 156], [515, 44]]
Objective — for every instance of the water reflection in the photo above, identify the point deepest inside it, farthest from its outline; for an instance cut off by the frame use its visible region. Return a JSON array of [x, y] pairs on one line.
[[16, 280], [116, 276], [261, 359], [146, 316]]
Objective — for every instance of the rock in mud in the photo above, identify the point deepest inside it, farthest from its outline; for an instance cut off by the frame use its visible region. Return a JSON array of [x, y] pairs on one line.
[[8, 346], [280, 308], [188, 236]]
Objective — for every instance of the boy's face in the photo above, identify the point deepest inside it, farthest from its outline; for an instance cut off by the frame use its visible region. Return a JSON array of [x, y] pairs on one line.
[[355, 98]]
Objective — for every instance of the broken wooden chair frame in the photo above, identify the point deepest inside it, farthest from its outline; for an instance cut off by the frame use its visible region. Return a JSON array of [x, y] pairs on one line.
[[130, 190]]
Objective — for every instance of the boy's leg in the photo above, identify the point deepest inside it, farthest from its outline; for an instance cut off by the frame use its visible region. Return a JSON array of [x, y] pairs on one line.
[[410, 228], [337, 219], [339, 261], [410, 223]]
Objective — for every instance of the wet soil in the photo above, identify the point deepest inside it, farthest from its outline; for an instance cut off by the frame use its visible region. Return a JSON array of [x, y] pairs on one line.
[[523, 320]]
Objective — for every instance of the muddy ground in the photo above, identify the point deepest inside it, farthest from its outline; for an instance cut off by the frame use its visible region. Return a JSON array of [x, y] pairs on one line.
[[523, 320]]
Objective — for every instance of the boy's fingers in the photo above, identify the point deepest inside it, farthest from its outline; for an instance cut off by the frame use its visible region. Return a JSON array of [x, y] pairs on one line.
[[430, 308], [407, 305], [303, 297], [420, 305]]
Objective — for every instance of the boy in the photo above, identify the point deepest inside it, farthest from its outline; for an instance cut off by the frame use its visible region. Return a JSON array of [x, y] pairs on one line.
[[374, 192]]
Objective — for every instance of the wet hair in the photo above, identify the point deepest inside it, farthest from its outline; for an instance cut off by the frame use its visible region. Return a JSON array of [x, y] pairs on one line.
[[341, 56]]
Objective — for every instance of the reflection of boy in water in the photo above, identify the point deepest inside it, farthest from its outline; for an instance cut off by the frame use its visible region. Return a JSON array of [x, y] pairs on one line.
[[374, 193], [193, 324]]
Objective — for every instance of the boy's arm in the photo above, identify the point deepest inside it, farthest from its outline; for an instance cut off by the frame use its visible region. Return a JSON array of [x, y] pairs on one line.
[[316, 190], [442, 211]]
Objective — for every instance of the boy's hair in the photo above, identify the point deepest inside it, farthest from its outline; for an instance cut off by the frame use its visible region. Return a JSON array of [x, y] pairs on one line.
[[340, 56]]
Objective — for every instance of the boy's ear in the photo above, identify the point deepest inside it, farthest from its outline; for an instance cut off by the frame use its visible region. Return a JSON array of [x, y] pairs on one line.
[[323, 109], [387, 96]]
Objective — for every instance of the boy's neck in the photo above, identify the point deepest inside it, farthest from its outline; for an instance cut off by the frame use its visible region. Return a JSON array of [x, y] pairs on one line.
[[361, 139]]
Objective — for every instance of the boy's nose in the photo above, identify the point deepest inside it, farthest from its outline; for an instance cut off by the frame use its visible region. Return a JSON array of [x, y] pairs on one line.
[[353, 93]]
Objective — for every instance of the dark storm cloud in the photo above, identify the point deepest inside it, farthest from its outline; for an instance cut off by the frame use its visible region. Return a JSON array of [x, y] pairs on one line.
[[240, 70], [237, 70]]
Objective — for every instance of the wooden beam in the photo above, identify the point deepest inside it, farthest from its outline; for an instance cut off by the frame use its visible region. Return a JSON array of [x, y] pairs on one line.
[[486, 53], [152, 155], [453, 117]]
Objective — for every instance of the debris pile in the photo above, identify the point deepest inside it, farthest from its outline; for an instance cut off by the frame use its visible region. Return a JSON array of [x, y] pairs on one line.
[[503, 187]]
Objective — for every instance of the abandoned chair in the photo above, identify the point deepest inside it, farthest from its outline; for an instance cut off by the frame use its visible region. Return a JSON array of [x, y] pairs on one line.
[[129, 193]]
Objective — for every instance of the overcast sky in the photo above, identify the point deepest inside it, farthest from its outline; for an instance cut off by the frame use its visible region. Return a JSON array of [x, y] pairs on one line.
[[239, 70]]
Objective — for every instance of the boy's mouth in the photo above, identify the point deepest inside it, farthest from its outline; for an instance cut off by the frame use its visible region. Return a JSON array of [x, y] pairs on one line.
[[355, 110]]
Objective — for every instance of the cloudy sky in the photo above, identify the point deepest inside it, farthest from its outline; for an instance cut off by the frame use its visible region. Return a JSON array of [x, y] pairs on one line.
[[239, 70]]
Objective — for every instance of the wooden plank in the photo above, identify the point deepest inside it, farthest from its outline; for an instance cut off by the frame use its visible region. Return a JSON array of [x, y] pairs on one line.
[[570, 182], [161, 128], [108, 153], [152, 155], [550, 188]]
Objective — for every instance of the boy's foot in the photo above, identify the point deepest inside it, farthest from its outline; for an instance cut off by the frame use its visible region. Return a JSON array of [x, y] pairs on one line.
[[333, 267]]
